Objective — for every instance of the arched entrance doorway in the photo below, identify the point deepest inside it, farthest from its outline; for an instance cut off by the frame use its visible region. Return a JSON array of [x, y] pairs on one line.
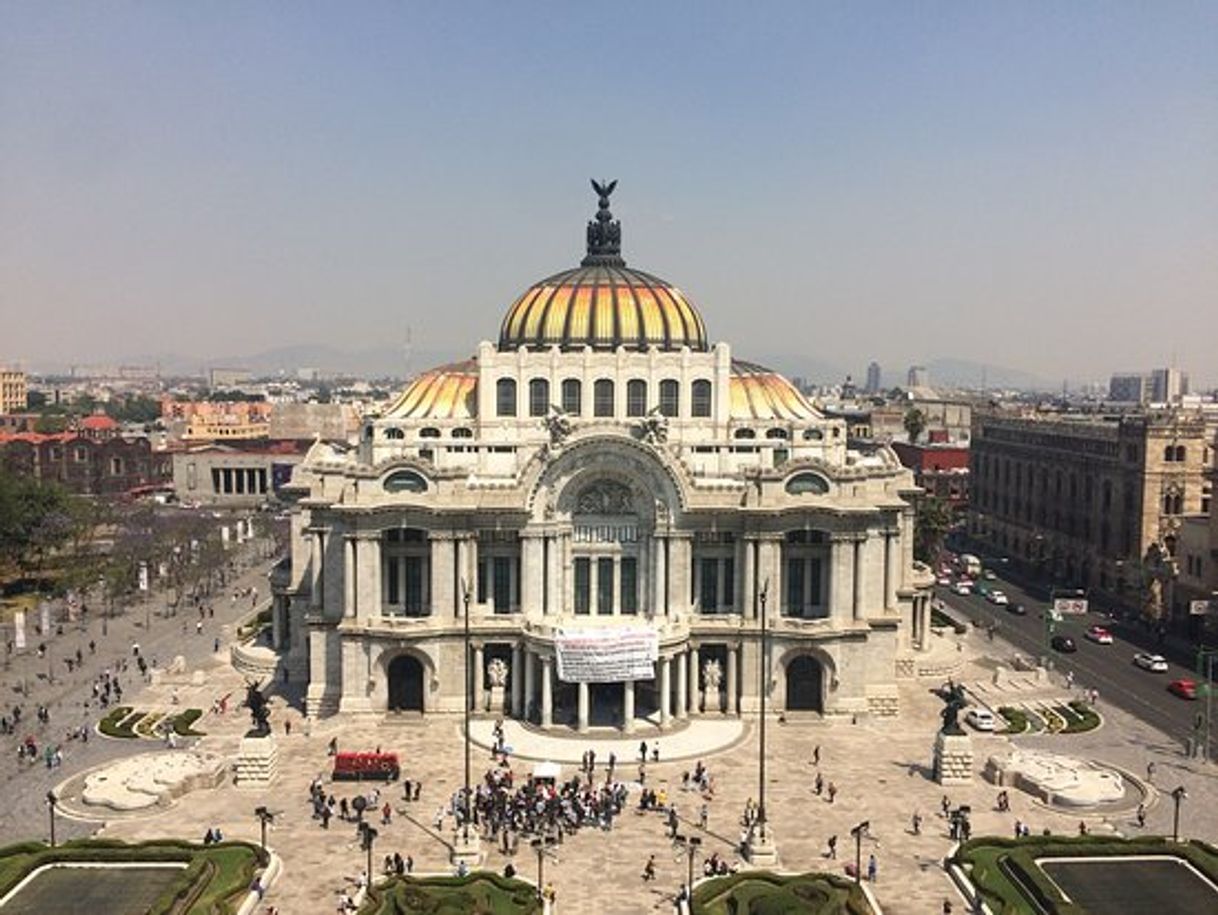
[[805, 685], [405, 684]]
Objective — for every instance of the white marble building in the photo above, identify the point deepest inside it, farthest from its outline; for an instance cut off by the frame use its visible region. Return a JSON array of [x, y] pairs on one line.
[[603, 467]]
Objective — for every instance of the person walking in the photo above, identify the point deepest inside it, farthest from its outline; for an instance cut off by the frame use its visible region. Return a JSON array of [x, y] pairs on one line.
[[916, 821], [833, 847], [649, 869], [872, 869]]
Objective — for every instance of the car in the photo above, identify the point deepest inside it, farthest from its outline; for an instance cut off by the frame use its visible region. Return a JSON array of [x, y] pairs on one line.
[[944, 580], [963, 588], [988, 575], [1017, 609], [1099, 635], [997, 598], [1185, 689], [1155, 663], [1063, 643], [982, 719]]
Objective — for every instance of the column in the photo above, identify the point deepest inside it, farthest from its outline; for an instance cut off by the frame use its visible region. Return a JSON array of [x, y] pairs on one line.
[[547, 699], [530, 682], [892, 571], [768, 560], [682, 684], [695, 673], [748, 578], [315, 561], [348, 576], [841, 578], [857, 602], [582, 720], [924, 611], [628, 706], [479, 674], [659, 577], [443, 560], [367, 576], [733, 707], [665, 692], [516, 674], [532, 559], [680, 553]]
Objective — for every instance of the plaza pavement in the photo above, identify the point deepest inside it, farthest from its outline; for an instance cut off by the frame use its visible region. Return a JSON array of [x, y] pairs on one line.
[[880, 768]]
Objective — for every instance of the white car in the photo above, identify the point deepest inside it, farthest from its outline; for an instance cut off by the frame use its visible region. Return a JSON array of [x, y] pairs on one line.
[[1155, 663], [944, 580], [982, 719], [998, 598], [963, 588]]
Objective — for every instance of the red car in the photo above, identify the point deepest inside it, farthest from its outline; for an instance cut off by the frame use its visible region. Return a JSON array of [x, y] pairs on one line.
[[1185, 689]]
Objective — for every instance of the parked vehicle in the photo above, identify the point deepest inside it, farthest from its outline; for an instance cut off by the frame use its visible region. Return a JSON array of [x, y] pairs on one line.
[[1184, 688], [1063, 643], [982, 719], [1099, 635], [1155, 663]]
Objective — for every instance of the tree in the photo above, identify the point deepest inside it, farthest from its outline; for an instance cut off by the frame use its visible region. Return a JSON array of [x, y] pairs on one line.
[[934, 520], [50, 424], [915, 423], [36, 518]]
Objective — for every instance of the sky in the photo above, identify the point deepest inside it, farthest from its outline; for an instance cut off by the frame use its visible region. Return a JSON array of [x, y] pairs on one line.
[[1031, 185]]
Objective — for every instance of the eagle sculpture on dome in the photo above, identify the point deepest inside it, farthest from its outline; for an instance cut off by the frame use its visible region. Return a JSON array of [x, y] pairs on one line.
[[604, 232], [603, 190]]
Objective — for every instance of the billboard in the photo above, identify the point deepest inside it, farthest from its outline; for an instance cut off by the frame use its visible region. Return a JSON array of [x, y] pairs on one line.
[[1063, 605], [606, 655], [1199, 607]]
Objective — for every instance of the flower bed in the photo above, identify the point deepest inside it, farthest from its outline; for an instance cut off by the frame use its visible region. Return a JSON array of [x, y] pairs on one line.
[[182, 723], [1016, 719], [119, 723], [483, 892], [366, 767], [763, 892], [1079, 717]]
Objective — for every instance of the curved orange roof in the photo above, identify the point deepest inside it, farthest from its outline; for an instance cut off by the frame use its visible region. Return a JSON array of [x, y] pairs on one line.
[[761, 393], [447, 392]]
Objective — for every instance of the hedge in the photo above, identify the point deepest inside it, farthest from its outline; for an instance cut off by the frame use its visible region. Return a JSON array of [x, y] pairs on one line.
[[763, 893], [1084, 718], [214, 882], [482, 892], [114, 725], [1001, 866], [182, 723], [1017, 719]]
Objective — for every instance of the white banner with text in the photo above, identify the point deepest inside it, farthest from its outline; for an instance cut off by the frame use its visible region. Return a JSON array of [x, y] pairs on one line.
[[606, 655]]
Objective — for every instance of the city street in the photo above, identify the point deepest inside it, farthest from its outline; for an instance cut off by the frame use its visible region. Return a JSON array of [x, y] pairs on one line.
[[1107, 668]]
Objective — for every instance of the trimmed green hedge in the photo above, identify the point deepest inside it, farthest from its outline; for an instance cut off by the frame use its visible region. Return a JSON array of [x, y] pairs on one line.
[[764, 893], [113, 724], [1079, 717], [1016, 718], [1000, 866], [182, 723], [485, 893], [214, 882]]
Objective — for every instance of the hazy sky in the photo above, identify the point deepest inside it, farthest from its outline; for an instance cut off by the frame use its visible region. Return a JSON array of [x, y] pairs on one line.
[[1026, 184]]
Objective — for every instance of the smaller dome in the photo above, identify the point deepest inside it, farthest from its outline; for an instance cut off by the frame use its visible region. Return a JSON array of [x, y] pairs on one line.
[[447, 392], [760, 393]]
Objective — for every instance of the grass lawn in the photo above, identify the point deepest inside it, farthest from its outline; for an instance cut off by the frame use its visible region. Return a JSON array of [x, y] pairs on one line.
[[761, 893], [1008, 877], [213, 882], [478, 894]]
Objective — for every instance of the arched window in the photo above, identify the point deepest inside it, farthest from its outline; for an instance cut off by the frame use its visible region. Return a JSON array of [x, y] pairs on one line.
[[670, 398], [700, 403], [807, 483], [405, 481], [393, 432], [744, 433], [776, 433], [636, 397], [1169, 453], [1181, 453], [429, 432], [602, 398], [463, 432], [572, 396], [539, 397], [505, 397], [813, 435]]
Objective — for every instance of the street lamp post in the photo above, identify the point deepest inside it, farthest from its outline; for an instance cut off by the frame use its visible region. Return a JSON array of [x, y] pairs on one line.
[[760, 848], [1205, 673], [52, 800], [690, 846], [541, 845], [367, 835], [1177, 795], [468, 676], [858, 832]]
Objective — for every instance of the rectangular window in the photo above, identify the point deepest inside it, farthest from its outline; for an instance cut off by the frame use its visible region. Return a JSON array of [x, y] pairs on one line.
[[413, 597], [636, 398], [571, 390], [630, 585], [795, 586], [192, 475], [670, 398], [814, 582], [482, 585], [602, 398], [583, 585], [729, 582], [701, 406], [710, 585], [393, 585], [604, 587], [539, 397], [503, 584]]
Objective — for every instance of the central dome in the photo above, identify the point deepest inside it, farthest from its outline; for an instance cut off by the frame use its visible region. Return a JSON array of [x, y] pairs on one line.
[[603, 304]]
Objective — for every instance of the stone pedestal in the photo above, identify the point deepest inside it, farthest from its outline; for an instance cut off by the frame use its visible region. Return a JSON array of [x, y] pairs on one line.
[[497, 701], [760, 849], [257, 761], [467, 849], [712, 701], [953, 759]]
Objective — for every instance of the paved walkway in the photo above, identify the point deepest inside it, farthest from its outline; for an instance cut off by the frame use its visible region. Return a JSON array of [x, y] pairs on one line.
[[696, 739], [879, 768]]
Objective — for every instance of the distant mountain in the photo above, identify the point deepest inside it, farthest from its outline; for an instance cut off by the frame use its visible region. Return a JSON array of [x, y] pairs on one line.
[[964, 373]]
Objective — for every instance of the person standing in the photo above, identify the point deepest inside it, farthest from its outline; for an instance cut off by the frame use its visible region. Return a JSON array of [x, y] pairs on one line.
[[833, 847], [872, 869]]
